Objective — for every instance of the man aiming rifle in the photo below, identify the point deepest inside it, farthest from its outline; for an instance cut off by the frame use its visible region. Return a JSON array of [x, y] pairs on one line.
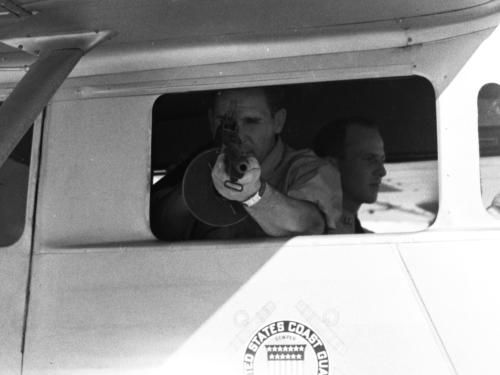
[[283, 191]]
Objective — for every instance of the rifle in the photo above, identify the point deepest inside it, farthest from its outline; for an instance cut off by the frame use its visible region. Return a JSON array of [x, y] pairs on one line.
[[203, 201], [235, 160]]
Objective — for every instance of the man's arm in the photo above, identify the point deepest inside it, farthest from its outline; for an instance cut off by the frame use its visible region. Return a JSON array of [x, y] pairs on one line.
[[276, 213], [170, 218], [279, 215]]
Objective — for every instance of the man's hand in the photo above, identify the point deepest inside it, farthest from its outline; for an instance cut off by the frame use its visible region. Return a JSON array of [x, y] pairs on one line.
[[250, 182]]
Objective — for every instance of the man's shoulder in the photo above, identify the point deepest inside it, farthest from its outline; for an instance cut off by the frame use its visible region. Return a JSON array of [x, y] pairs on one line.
[[314, 179], [305, 162], [304, 166], [302, 157]]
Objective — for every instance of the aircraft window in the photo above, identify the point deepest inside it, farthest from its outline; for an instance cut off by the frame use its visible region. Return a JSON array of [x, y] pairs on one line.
[[400, 111], [14, 175], [489, 145]]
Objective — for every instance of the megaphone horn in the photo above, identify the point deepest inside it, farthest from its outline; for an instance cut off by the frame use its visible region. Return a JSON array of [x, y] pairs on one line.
[[200, 196]]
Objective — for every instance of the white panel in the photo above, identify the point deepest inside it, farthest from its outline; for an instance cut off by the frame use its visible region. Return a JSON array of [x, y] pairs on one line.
[[14, 265], [458, 142], [193, 310], [161, 34], [159, 19], [460, 285], [95, 173], [14, 268]]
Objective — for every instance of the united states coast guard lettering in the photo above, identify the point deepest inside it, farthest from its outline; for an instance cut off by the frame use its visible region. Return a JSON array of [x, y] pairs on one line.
[[286, 348]]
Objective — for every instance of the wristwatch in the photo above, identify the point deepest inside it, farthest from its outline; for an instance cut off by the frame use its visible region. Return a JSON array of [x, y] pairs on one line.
[[254, 199]]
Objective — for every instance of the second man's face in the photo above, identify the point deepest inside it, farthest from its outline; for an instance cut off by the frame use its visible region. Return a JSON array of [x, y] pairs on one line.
[[257, 126], [362, 167]]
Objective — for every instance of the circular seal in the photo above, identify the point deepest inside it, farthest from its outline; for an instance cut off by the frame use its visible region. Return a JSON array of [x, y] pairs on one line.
[[286, 347]]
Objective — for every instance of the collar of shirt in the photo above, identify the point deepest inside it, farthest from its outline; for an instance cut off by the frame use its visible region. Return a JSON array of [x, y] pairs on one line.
[[346, 223], [348, 218], [351, 223], [273, 160]]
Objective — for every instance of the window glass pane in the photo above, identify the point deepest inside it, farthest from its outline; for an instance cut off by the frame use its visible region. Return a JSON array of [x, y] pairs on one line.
[[14, 175], [489, 145], [397, 114]]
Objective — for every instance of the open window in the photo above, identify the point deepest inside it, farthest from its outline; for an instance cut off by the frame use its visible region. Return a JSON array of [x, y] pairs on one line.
[[489, 145], [14, 174], [402, 108]]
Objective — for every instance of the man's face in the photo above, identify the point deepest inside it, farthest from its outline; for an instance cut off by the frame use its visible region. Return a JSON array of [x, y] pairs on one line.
[[362, 167], [257, 127]]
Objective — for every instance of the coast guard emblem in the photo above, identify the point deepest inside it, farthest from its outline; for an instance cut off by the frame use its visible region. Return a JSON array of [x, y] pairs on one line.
[[286, 348]]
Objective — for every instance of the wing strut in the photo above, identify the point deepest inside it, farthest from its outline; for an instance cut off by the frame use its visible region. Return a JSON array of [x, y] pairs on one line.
[[38, 86], [32, 94]]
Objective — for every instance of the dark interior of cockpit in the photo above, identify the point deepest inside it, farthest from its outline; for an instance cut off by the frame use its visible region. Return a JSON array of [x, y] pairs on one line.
[[14, 175], [403, 108]]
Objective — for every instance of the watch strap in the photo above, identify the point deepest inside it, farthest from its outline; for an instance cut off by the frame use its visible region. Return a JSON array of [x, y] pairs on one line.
[[254, 199]]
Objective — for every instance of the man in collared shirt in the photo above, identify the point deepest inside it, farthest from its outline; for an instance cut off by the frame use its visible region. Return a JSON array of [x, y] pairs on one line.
[[286, 192], [356, 147]]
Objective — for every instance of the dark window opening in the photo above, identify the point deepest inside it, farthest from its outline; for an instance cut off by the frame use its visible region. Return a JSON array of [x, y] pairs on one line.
[[488, 103], [403, 108], [14, 174]]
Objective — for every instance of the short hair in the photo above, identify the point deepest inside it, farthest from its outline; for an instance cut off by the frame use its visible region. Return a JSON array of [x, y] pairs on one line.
[[275, 96], [330, 140]]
